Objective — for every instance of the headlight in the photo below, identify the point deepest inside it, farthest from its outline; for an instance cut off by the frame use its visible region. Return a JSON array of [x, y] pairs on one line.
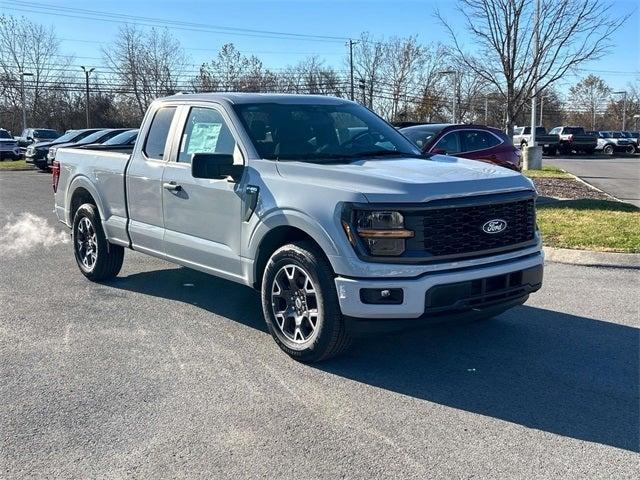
[[52, 152], [382, 232]]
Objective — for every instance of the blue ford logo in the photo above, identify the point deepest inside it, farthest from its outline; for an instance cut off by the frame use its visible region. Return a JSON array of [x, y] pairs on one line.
[[496, 225]]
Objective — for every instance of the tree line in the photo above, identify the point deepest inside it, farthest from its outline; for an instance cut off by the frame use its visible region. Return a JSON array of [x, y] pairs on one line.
[[399, 78]]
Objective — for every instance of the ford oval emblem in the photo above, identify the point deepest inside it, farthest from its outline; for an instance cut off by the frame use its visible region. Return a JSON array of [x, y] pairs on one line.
[[496, 225]]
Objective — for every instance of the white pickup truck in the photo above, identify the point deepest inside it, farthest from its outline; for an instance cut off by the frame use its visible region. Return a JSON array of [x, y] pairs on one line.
[[338, 219]]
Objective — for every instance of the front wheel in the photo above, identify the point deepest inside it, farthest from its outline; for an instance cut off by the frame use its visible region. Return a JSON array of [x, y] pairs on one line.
[[630, 150], [300, 304], [95, 256], [608, 150]]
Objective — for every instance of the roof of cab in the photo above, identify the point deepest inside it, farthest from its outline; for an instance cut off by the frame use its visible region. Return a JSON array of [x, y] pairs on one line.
[[240, 98]]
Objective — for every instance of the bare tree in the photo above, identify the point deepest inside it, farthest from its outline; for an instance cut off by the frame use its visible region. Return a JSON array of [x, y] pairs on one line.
[[34, 49], [145, 64], [368, 63], [587, 99], [572, 32], [404, 59]]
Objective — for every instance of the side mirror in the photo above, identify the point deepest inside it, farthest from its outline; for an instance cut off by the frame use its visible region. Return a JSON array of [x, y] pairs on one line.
[[439, 151], [30, 139], [215, 166]]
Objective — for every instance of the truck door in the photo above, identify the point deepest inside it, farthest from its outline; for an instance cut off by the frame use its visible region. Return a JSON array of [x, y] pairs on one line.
[[144, 183], [202, 217]]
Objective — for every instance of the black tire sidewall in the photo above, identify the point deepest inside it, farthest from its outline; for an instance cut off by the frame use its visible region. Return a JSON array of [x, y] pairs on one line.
[[90, 212], [329, 319]]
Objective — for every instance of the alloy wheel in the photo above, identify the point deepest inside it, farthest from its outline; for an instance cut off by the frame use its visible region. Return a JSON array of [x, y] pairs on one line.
[[295, 304], [86, 243]]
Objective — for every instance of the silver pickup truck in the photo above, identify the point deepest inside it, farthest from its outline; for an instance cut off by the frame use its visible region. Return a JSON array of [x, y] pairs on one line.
[[339, 220]]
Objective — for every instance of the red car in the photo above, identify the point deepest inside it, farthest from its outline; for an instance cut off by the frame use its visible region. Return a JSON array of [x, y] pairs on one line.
[[476, 142]]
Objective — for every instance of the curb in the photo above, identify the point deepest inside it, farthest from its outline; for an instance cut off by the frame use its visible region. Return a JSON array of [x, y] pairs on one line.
[[17, 169], [588, 258]]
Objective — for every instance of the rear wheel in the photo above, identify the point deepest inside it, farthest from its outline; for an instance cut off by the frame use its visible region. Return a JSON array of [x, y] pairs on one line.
[[630, 149], [607, 150], [95, 256], [300, 304]]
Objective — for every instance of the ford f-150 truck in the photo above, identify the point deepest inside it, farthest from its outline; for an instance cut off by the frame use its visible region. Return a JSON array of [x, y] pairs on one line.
[[550, 143], [335, 217], [575, 139]]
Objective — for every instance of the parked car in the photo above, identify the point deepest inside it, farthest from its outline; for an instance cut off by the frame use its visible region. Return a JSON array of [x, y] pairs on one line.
[[122, 142], [608, 144], [476, 142], [575, 139], [337, 218], [8, 146], [36, 153], [35, 135], [96, 137], [625, 144], [550, 143], [633, 139]]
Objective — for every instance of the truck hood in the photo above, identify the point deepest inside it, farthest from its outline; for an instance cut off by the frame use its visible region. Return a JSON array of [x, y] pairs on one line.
[[408, 180]]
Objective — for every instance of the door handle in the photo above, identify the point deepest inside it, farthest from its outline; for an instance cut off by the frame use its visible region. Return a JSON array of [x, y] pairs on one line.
[[172, 186]]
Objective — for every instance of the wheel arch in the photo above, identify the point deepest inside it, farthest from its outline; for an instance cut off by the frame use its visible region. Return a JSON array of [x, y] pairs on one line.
[[81, 191], [272, 240]]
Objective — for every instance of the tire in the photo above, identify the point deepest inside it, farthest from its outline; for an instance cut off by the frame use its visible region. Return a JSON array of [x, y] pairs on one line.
[[607, 149], [289, 312], [97, 258], [630, 150]]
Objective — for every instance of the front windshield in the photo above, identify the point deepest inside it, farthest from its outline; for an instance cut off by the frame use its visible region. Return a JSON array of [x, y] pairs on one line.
[[320, 133], [94, 137], [420, 135], [123, 138], [67, 137], [46, 134], [605, 134]]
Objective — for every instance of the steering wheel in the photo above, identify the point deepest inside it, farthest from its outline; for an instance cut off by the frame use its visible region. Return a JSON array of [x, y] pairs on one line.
[[358, 137]]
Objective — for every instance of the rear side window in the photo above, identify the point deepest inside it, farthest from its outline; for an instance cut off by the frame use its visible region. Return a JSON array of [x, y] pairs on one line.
[[158, 133], [473, 140]]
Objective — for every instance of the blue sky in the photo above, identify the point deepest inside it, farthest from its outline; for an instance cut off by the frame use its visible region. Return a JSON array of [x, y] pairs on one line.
[[334, 18]]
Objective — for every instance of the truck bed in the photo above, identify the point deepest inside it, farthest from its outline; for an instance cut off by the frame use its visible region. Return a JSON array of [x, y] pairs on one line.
[[101, 173]]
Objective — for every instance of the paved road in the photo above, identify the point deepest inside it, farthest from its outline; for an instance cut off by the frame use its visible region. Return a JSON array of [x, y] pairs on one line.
[[618, 176], [166, 372]]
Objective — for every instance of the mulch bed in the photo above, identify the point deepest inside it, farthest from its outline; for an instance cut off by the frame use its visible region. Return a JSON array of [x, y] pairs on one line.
[[567, 188]]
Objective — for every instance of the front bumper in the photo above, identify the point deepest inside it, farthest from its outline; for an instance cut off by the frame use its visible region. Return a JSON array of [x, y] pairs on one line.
[[418, 291]]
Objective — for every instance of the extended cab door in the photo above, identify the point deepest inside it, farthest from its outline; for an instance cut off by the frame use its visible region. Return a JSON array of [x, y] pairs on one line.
[[202, 217], [144, 182]]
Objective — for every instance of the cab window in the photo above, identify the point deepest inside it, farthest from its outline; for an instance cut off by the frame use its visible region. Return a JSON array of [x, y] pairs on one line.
[[205, 132], [158, 133]]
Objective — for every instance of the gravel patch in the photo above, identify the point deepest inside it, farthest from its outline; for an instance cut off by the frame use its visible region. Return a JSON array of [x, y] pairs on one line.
[[567, 188]]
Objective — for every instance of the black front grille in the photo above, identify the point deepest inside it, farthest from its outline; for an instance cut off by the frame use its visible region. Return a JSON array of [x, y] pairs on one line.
[[458, 230]]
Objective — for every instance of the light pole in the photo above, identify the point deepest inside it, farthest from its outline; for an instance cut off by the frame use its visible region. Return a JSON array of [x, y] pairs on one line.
[[87, 72], [635, 119], [455, 92], [536, 51], [24, 102], [624, 107], [351, 44]]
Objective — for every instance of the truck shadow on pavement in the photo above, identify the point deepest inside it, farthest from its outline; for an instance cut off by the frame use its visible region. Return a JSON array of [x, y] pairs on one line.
[[560, 373]]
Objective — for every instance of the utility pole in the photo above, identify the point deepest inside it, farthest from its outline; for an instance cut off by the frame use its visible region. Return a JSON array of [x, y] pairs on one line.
[[486, 109], [541, 122], [351, 44], [23, 99], [536, 52], [624, 107], [362, 86], [87, 72], [455, 92]]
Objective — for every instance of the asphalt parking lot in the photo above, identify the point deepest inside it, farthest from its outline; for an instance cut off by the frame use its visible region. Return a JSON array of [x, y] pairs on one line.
[[618, 175], [167, 373]]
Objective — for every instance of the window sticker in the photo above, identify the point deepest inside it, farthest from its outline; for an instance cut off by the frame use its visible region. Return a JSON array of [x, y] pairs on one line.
[[204, 138]]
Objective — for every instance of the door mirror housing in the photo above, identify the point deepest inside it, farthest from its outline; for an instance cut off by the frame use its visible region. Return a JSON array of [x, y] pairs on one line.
[[214, 166]]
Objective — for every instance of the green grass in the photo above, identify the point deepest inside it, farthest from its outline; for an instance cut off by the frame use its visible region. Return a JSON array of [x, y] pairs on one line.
[[601, 225], [548, 171], [15, 164]]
